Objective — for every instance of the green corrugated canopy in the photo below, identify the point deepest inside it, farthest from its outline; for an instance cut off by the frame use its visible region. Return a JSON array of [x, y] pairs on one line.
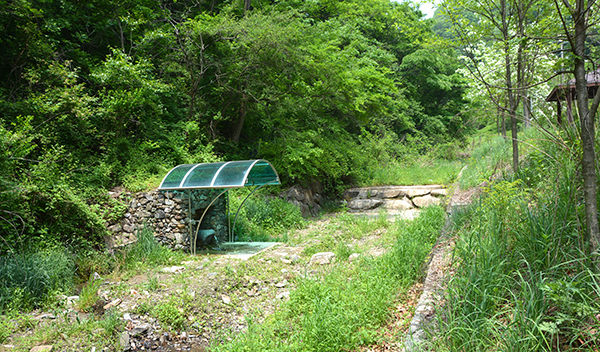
[[231, 174]]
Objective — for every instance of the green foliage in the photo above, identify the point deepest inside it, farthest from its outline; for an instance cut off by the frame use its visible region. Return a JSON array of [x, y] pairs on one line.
[[88, 296], [152, 284], [5, 329], [29, 280], [112, 322], [264, 218], [171, 313], [524, 281], [93, 261], [146, 251], [105, 95], [437, 88], [487, 161]]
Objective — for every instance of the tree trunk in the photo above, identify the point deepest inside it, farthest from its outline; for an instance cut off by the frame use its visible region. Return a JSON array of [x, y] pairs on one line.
[[504, 119], [559, 108], [498, 118], [513, 102], [586, 119], [512, 111], [526, 110], [241, 117]]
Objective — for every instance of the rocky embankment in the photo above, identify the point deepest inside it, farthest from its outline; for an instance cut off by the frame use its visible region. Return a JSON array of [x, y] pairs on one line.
[[395, 200]]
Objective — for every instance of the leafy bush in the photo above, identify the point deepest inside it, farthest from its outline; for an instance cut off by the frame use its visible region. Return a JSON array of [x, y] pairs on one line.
[[88, 262], [171, 313]]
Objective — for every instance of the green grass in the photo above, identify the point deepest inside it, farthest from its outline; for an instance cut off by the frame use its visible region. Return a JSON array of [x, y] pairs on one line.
[[146, 252], [263, 218], [29, 280], [88, 295], [343, 308], [523, 279], [491, 157], [171, 313], [423, 172]]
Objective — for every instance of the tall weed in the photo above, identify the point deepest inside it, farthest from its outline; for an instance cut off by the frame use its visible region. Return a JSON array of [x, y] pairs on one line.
[[488, 159], [264, 218], [147, 252], [523, 280], [28, 280]]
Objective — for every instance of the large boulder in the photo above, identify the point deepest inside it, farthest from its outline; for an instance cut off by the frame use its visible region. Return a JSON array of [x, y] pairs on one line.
[[398, 204], [364, 204], [308, 199], [425, 201]]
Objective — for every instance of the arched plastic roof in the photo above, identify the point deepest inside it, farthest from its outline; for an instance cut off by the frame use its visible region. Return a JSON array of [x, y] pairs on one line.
[[232, 174]]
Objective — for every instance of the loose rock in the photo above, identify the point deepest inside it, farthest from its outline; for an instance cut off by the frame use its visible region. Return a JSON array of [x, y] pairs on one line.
[[173, 269], [353, 257], [140, 329], [226, 299], [285, 295], [322, 258], [124, 341]]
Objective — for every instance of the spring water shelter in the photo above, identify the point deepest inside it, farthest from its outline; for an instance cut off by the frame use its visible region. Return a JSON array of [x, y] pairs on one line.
[[219, 177]]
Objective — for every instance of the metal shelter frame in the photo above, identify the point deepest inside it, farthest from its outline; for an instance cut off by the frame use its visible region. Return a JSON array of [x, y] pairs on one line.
[[222, 175]]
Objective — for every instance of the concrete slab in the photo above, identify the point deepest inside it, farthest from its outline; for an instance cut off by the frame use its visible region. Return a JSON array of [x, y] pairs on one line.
[[244, 250]]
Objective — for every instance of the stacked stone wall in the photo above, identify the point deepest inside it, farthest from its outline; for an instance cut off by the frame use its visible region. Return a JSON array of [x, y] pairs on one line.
[[393, 198], [167, 213]]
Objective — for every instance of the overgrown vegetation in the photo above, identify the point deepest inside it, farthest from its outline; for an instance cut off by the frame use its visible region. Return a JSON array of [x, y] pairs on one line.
[[110, 94], [31, 280], [334, 313], [35, 279], [525, 279], [146, 252], [104, 94], [264, 217]]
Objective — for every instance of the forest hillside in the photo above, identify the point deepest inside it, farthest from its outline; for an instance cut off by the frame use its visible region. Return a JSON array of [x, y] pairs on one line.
[[104, 94]]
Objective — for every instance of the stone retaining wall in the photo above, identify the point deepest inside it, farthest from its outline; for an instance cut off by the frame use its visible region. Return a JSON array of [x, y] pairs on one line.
[[393, 198], [167, 212]]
